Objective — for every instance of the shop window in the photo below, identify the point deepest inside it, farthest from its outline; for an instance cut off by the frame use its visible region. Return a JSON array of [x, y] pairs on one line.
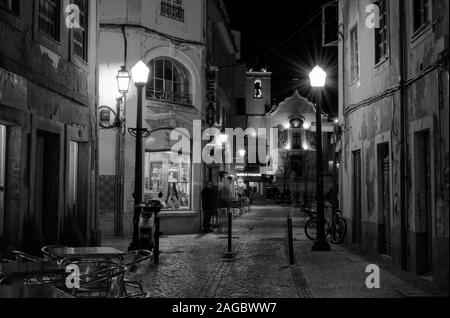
[[12, 6], [80, 43], [2, 174], [168, 181], [49, 18]]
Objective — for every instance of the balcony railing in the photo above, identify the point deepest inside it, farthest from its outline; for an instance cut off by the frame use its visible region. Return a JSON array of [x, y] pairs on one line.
[[172, 11], [169, 96]]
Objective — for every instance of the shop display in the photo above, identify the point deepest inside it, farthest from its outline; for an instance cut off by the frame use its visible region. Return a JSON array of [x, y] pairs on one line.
[[168, 181]]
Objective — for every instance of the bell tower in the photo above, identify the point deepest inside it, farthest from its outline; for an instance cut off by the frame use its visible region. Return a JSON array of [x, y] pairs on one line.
[[258, 96]]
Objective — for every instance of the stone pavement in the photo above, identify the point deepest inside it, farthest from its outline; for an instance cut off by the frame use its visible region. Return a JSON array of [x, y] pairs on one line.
[[192, 266]]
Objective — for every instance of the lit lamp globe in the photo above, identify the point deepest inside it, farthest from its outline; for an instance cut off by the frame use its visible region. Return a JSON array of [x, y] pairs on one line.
[[140, 73], [123, 80], [318, 77], [242, 152]]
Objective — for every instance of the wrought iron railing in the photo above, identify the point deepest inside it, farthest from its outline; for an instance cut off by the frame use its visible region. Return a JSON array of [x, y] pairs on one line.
[[172, 11], [169, 96]]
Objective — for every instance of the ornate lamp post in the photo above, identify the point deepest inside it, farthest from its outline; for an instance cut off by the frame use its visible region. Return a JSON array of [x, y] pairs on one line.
[[140, 73], [318, 79]]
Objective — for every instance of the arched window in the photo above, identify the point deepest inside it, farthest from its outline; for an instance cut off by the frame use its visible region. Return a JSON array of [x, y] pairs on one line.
[[169, 82]]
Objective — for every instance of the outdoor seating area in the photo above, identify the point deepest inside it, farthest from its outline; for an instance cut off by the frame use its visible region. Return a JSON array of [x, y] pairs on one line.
[[237, 207], [81, 272]]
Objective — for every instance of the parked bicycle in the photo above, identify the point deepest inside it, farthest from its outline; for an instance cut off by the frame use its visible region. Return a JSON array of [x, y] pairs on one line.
[[336, 230]]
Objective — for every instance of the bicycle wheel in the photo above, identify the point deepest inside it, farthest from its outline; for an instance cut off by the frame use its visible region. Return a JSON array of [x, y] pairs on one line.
[[311, 229], [338, 230]]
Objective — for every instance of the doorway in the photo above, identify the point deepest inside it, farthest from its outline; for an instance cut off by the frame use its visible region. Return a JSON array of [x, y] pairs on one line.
[[47, 185], [423, 204], [384, 199], [357, 198]]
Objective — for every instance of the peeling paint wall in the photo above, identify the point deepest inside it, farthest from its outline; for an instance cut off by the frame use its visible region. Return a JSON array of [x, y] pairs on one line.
[[371, 108]]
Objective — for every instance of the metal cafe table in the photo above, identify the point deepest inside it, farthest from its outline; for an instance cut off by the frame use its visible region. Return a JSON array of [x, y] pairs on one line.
[[32, 291], [28, 270], [84, 253]]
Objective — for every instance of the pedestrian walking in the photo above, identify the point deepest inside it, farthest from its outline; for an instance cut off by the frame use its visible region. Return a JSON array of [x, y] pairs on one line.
[[209, 205]]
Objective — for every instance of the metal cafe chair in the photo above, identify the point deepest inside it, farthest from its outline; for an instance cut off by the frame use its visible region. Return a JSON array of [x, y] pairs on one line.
[[22, 257], [99, 279], [136, 263], [48, 255]]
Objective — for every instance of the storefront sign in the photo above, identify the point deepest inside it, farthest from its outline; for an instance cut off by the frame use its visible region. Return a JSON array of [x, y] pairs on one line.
[[211, 97], [13, 89]]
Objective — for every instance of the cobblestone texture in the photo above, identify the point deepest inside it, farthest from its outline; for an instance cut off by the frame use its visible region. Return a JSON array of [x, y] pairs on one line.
[[192, 266]]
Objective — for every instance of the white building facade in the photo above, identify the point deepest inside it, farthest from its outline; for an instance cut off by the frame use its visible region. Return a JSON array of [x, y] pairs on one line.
[[167, 35]]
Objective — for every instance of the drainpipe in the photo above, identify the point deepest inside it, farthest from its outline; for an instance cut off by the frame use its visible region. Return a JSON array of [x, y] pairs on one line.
[[403, 75]]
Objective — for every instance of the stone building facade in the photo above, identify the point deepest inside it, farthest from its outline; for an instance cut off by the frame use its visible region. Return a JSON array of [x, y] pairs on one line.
[[48, 127], [394, 108]]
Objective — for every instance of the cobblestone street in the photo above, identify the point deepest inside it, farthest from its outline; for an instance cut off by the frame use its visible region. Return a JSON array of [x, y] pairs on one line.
[[192, 266]]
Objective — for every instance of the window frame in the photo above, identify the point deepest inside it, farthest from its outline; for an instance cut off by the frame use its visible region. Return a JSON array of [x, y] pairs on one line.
[[353, 54], [381, 59], [10, 11], [54, 45], [423, 24], [83, 59], [13, 19], [185, 92]]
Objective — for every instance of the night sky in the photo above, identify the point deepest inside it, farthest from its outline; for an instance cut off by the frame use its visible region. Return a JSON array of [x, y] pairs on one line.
[[274, 34]]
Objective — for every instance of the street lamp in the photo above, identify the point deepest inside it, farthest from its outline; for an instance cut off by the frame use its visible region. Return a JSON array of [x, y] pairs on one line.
[[318, 79], [123, 80], [140, 73]]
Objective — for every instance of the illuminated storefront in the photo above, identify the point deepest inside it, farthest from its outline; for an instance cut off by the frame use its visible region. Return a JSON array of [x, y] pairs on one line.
[[164, 179]]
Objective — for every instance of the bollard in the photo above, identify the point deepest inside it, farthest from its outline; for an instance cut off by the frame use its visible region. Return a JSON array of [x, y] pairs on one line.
[[229, 253], [157, 234], [230, 232], [290, 242]]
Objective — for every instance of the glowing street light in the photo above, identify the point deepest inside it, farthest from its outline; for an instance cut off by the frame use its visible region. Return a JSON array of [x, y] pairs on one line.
[[242, 152], [318, 78], [123, 80], [140, 73]]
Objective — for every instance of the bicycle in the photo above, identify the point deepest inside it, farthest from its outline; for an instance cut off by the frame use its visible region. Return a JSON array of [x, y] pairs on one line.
[[337, 229]]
